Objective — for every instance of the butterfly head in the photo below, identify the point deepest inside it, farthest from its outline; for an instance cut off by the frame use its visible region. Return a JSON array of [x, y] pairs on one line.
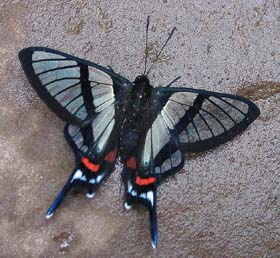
[[142, 80], [142, 86]]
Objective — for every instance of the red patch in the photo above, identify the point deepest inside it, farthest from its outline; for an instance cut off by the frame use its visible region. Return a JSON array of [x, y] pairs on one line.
[[131, 163], [111, 156], [91, 166], [145, 181]]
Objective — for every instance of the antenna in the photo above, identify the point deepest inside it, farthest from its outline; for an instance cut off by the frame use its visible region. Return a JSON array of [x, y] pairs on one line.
[[169, 37], [176, 79], [146, 54]]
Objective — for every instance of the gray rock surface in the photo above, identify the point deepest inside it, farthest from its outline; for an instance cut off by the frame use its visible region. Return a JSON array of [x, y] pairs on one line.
[[225, 203]]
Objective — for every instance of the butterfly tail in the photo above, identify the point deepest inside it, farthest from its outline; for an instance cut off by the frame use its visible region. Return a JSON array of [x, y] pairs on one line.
[[153, 219], [144, 195], [76, 174]]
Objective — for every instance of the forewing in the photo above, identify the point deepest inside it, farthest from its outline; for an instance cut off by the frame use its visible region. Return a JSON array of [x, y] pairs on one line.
[[94, 138], [205, 119], [73, 88]]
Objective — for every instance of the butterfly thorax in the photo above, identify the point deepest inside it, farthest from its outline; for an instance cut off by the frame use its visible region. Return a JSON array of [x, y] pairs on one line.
[[137, 119], [139, 98]]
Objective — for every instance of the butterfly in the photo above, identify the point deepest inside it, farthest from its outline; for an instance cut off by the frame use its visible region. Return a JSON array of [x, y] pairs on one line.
[[149, 128]]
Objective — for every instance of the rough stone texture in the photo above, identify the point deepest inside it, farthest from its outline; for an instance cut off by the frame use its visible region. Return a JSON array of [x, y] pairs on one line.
[[225, 203]]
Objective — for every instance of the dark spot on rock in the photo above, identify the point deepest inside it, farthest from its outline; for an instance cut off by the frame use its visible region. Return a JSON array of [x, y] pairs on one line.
[[152, 52], [264, 118], [190, 156], [88, 47], [76, 191], [74, 25], [183, 171], [257, 9], [209, 46], [205, 234], [78, 9], [61, 237], [259, 90], [273, 245], [64, 239], [258, 23], [104, 20]]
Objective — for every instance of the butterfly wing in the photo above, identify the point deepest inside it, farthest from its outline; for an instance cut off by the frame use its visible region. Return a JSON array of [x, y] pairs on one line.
[[74, 89], [204, 119], [90, 99], [187, 120]]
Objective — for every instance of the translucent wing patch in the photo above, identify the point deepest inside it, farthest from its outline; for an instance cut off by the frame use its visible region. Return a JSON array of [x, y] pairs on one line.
[[173, 111], [161, 153], [73, 88], [205, 119], [94, 137]]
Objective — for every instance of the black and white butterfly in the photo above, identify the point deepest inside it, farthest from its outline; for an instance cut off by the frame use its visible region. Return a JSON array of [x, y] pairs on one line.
[[150, 129]]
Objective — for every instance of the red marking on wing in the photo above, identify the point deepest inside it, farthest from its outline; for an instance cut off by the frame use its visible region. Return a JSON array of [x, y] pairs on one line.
[[111, 156], [91, 166], [145, 181], [131, 163]]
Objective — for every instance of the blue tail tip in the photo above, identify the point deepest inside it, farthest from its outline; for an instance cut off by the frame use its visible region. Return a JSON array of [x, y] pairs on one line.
[[49, 215], [154, 244]]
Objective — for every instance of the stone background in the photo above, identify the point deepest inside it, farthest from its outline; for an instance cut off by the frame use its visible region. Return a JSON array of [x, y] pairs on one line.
[[225, 203]]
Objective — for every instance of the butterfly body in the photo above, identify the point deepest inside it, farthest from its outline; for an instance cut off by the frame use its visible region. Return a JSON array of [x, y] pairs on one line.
[[137, 117], [149, 128]]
